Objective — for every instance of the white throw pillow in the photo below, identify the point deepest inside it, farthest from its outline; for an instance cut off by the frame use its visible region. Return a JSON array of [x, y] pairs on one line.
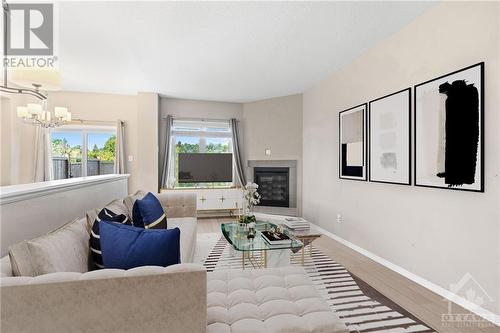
[[65, 249]]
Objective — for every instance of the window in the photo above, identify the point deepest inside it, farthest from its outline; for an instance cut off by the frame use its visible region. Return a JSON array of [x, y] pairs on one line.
[[199, 136], [83, 151]]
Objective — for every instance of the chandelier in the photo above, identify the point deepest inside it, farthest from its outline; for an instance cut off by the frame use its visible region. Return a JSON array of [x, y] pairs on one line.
[[32, 82], [37, 114]]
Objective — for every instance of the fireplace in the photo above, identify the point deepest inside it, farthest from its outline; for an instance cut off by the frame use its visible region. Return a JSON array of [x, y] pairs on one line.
[[274, 186]]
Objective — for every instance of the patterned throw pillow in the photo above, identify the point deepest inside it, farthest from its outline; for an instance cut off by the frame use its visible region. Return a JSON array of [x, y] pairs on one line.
[[148, 213], [95, 240]]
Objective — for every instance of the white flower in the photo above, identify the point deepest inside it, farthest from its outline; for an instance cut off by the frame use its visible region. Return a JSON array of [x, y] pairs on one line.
[[251, 196]]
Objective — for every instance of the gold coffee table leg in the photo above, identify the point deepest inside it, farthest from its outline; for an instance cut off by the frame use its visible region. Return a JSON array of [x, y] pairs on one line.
[[243, 260], [303, 250], [265, 258]]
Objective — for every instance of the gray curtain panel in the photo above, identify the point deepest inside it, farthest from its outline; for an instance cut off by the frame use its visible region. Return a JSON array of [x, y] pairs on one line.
[[43, 155], [238, 159], [120, 147], [164, 166]]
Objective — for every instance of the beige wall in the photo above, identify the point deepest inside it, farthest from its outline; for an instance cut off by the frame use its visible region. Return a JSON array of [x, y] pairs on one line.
[[147, 141], [276, 124], [140, 113], [17, 142], [188, 108], [437, 234]]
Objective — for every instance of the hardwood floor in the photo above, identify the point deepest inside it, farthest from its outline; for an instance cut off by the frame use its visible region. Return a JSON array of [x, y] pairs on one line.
[[419, 301]]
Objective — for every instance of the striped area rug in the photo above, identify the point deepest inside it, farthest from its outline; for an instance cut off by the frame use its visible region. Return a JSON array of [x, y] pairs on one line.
[[359, 306]]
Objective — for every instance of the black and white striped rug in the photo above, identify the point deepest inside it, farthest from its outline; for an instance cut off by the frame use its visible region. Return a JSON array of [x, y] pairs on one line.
[[361, 307]]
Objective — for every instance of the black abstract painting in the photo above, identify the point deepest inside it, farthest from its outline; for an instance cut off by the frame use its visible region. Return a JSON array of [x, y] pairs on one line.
[[462, 132], [449, 131]]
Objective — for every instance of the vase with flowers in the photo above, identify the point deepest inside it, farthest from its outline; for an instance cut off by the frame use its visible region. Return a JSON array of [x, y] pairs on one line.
[[250, 198]]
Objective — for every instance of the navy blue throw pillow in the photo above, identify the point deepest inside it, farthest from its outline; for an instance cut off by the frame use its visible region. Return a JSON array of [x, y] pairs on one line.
[[126, 247], [95, 241], [148, 213]]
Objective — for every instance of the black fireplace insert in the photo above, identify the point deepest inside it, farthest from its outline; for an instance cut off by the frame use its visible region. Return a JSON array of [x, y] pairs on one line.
[[274, 186]]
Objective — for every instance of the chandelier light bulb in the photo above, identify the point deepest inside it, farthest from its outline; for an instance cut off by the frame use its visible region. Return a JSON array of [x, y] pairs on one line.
[[22, 112], [60, 112], [34, 109]]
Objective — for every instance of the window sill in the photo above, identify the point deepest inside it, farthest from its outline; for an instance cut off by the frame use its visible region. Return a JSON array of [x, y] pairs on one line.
[[201, 188]]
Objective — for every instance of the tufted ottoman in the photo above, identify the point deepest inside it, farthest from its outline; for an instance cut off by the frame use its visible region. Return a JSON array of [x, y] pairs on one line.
[[271, 300]]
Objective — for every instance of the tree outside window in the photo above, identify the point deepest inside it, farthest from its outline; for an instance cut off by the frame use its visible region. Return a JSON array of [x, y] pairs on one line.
[[82, 152]]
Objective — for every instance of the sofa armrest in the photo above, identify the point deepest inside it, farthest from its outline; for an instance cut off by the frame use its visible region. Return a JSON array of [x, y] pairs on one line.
[[178, 204], [5, 267], [144, 299]]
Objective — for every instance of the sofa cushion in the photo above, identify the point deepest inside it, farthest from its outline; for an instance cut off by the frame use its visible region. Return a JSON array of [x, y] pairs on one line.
[[20, 260], [130, 200], [187, 225], [94, 243], [5, 267], [148, 213], [126, 247], [267, 300], [62, 250], [116, 206]]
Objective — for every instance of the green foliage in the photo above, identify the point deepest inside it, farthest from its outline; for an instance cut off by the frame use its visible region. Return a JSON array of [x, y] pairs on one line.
[[61, 148], [217, 148], [187, 147], [106, 153], [247, 219]]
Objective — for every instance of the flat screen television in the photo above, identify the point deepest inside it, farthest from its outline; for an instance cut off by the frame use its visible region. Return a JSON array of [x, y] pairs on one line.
[[205, 168]]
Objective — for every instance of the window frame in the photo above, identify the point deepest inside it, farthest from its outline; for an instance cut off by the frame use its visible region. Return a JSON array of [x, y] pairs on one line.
[[202, 134], [85, 131]]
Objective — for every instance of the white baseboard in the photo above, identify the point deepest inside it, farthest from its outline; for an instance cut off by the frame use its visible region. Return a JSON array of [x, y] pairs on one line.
[[486, 314]]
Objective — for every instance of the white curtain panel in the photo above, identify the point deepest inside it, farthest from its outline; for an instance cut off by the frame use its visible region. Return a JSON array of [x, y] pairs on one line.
[[43, 155], [167, 166], [120, 147]]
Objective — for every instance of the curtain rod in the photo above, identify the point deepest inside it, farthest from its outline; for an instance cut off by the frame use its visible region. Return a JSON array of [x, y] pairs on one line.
[[196, 119], [107, 122]]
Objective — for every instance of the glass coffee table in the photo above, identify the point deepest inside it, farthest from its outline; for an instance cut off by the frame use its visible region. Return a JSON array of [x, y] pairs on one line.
[[257, 251]]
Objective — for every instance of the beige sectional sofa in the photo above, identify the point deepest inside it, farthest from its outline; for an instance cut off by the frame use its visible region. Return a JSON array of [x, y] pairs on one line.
[[144, 299], [174, 299]]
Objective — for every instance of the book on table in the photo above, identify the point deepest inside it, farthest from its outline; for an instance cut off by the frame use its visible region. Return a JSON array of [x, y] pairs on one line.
[[296, 223], [275, 238]]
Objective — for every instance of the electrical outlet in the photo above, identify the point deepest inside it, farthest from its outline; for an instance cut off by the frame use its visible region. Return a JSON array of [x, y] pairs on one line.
[[339, 218]]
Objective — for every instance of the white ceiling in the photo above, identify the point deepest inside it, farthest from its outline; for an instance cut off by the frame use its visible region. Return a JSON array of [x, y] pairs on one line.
[[225, 51]]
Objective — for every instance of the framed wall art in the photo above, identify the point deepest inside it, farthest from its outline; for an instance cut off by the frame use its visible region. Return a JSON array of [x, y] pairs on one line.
[[449, 131], [389, 138], [352, 143]]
